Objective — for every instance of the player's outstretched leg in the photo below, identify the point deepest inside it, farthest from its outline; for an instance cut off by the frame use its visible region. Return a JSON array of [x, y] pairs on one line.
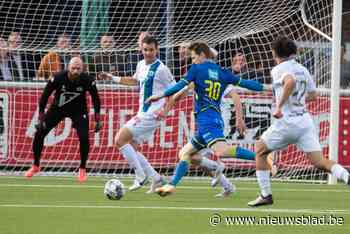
[[157, 179], [330, 166], [246, 154], [124, 143], [50, 120], [38, 144], [227, 187], [180, 170], [215, 170]]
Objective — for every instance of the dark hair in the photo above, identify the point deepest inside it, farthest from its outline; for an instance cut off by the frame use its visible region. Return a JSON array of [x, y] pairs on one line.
[[200, 47], [106, 34], [148, 39], [235, 52], [284, 47]]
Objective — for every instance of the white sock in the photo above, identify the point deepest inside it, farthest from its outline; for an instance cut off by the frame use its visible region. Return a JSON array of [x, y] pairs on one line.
[[224, 182], [148, 169], [210, 164], [340, 172], [131, 156], [264, 182]]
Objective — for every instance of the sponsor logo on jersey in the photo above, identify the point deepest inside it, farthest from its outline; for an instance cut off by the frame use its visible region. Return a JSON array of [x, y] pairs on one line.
[[213, 74], [67, 97]]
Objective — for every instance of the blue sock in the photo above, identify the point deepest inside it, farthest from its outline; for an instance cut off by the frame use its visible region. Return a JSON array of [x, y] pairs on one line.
[[180, 171], [246, 154]]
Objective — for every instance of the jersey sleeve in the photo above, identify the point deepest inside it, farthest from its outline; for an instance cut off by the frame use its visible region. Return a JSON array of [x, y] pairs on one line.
[[248, 84], [135, 76], [191, 74], [165, 77], [51, 86], [230, 78]]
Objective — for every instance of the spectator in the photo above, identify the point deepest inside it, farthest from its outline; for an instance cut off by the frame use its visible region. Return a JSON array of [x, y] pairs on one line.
[[23, 60], [238, 62], [182, 61], [8, 69], [239, 66], [55, 60], [107, 60]]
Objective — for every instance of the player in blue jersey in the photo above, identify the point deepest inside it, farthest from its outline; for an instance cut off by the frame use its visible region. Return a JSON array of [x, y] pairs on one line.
[[209, 81]]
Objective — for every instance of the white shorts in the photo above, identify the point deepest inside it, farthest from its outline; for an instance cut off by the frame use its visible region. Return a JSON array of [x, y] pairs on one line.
[[298, 130], [142, 128]]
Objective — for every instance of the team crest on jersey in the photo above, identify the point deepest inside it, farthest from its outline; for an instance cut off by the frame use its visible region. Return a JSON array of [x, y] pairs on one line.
[[80, 89], [213, 74], [63, 88], [67, 97]]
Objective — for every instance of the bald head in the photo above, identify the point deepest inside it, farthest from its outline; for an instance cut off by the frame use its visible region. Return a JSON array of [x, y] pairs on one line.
[[75, 68]]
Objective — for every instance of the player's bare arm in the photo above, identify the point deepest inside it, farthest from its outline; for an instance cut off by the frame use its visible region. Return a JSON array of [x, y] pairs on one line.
[[288, 87], [125, 80], [171, 101], [240, 125]]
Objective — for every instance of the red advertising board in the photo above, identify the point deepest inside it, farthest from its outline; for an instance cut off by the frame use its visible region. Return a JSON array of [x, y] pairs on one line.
[[62, 145]]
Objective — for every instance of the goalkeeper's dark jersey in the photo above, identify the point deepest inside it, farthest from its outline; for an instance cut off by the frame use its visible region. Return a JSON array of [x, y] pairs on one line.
[[70, 96]]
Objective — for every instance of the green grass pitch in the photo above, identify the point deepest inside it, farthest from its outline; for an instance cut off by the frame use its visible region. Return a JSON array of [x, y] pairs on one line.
[[59, 205]]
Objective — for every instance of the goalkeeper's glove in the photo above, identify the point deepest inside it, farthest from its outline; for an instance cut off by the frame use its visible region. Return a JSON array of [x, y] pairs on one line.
[[41, 123], [98, 123]]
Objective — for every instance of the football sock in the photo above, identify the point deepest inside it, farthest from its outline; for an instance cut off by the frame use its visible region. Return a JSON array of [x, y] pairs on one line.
[[147, 168], [38, 144], [131, 156], [242, 153], [340, 173], [224, 182], [84, 152], [263, 178], [180, 171], [210, 164]]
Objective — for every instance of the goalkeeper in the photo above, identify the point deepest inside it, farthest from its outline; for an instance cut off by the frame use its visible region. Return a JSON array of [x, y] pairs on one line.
[[70, 87]]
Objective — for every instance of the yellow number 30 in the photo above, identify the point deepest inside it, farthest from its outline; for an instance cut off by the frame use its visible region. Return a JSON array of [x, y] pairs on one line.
[[213, 89]]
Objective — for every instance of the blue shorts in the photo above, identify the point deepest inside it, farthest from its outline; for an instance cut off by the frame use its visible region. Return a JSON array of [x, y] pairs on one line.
[[208, 133]]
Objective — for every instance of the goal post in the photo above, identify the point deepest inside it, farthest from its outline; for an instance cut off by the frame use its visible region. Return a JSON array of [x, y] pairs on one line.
[[335, 87]]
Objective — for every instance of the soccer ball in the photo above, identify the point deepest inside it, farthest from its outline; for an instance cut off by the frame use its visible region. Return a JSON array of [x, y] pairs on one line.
[[114, 189]]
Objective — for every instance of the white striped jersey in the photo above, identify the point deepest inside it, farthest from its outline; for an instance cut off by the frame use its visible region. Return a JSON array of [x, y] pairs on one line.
[[153, 79]]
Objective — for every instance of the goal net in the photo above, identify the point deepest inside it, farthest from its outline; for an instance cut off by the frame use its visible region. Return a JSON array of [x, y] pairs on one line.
[[235, 28]]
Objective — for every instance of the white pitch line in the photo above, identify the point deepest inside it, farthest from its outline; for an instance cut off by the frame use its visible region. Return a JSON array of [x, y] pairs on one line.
[[266, 210], [78, 186]]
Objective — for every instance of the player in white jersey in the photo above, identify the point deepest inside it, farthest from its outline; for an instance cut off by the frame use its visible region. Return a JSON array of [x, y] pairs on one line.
[[153, 77], [292, 87]]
